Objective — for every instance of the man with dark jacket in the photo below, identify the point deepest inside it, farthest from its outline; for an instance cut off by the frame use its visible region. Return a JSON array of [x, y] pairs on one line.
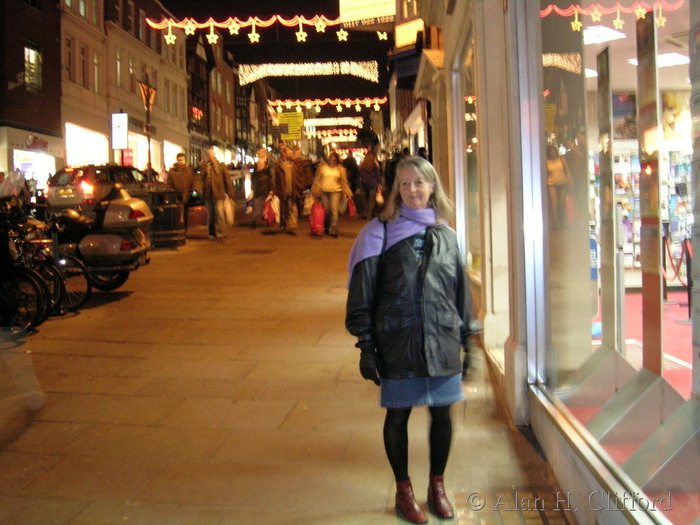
[[215, 184], [285, 184], [181, 179]]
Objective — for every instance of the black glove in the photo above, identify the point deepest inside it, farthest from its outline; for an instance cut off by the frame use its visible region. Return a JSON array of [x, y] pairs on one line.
[[369, 365]]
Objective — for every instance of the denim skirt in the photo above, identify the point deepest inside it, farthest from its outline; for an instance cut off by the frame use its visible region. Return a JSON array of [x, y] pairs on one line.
[[416, 391]]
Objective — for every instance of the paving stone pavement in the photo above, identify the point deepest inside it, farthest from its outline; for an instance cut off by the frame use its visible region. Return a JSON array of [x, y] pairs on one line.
[[219, 386]]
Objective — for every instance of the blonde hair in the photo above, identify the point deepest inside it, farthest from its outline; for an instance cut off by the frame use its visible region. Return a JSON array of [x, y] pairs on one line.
[[438, 200]]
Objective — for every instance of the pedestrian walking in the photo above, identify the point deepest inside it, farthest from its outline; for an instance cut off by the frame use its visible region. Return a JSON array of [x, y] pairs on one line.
[[181, 179], [331, 185], [215, 185], [370, 181], [285, 184], [409, 307]]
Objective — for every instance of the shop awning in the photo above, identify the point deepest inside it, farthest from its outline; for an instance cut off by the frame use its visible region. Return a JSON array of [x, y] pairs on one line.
[[430, 68]]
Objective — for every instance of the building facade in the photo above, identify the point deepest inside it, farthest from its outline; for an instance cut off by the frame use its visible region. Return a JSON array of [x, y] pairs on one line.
[[30, 88]]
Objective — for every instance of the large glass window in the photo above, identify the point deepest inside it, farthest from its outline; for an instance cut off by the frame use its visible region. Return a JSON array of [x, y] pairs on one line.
[[32, 68], [618, 219]]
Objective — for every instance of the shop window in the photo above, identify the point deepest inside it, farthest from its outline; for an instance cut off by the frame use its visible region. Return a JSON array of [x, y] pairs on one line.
[[32, 68]]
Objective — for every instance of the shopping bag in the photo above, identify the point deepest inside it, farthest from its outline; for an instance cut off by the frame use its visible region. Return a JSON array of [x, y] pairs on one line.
[[270, 212], [225, 210], [309, 200], [316, 218], [352, 210]]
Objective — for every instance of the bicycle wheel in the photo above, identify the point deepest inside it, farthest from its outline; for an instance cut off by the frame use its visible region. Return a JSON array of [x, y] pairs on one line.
[[76, 280], [24, 292], [54, 279]]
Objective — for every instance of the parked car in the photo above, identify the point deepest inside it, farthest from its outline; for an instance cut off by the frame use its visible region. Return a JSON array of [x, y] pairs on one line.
[[82, 187]]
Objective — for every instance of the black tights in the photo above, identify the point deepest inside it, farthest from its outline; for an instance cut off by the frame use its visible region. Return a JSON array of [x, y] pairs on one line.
[[396, 440]]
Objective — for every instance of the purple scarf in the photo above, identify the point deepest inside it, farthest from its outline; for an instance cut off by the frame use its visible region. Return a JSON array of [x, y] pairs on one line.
[[369, 241]]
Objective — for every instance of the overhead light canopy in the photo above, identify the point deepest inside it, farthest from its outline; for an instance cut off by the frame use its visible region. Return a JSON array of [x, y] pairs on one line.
[[666, 60], [601, 34]]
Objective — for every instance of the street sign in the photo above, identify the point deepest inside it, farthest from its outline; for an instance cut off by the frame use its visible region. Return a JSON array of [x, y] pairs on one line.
[[120, 130]]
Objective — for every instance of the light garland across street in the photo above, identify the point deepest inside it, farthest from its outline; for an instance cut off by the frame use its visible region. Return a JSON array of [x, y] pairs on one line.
[[234, 25], [367, 70], [357, 103], [597, 11]]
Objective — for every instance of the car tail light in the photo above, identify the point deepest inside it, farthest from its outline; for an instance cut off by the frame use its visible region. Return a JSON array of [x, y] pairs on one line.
[[88, 192], [127, 245], [136, 214]]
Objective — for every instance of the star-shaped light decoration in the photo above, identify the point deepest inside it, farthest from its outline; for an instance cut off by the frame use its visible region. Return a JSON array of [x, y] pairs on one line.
[[358, 107], [318, 108], [301, 35], [189, 27], [661, 19], [234, 28], [279, 109], [253, 36], [339, 107], [320, 26], [376, 106], [342, 35], [640, 12], [596, 15], [383, 35], [288, 105], [169, 37], [576, 25], [212, 37], [618, 23]]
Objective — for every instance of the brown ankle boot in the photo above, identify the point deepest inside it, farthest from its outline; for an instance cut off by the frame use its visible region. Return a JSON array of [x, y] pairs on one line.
[[437, 499], [406, 504]]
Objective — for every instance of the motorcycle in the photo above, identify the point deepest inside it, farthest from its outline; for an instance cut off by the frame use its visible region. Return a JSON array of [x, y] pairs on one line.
[[112, 242]]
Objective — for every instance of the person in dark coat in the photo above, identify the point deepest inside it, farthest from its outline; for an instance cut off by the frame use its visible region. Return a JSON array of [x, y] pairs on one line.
[[181, 179], [215, 185], [261, 182], [409, 307], [285, 184]]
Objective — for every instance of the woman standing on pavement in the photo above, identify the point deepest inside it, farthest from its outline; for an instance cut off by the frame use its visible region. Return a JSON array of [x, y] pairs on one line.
[[409, 307], [331, 184]]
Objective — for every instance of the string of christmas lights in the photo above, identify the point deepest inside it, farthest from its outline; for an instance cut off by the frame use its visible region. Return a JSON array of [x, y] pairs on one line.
[[366, 70], [234, 25], [374, 103], [597, 11]]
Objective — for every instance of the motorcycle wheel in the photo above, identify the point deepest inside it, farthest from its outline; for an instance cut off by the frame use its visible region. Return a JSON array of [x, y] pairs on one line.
[[76, 279], [108, 281]]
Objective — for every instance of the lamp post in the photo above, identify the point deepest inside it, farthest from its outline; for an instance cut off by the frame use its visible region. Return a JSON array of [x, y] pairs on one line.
[[148, 95]]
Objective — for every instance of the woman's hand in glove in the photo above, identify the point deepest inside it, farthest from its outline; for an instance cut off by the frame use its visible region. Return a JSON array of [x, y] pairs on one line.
[[368, 366]]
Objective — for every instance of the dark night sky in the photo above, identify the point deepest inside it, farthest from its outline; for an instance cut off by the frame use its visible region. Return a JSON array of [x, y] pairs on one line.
[[278, 44]]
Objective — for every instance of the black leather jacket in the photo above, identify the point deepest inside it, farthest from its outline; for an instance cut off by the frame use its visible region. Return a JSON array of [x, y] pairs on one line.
[[415, 315]]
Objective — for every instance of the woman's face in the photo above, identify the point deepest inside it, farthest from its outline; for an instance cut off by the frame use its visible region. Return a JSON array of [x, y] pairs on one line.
[[415, 191]]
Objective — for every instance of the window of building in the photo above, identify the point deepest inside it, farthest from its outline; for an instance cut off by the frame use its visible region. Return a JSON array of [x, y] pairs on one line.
[[96, 72], [173, 100], [119, 68], [69, 3], [82, 7], [133, 84], [166, 95], [32, 68], [32, 3], [84, 70], [94, 10], [118, 12], [142, 26], [129, 16], [70, 59]]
